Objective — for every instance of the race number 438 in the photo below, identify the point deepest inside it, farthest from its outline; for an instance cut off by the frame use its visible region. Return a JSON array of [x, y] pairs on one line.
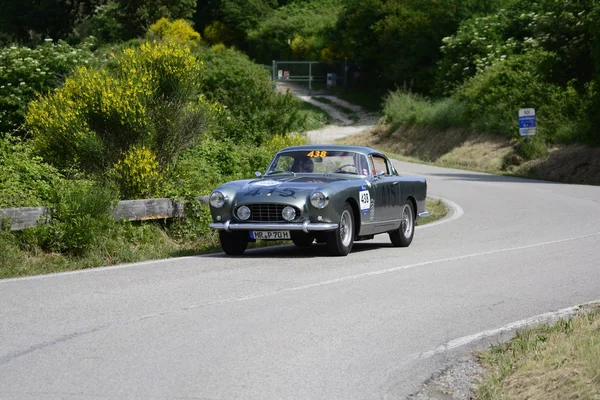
[[365, 199]]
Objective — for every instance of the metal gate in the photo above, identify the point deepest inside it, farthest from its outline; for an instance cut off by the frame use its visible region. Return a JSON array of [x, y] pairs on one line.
[[316, 73]]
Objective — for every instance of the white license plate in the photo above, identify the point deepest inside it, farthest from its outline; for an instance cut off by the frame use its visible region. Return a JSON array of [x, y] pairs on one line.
[[271, 235]]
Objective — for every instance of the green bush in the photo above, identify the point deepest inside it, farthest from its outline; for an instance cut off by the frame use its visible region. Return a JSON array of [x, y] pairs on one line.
[[24, 72], [406, 108], [532, 147], [25, 180], [81, 219], [253, 110], [562, 28], [478, 43], [214, 162], [148, 96], [494, 97], [305, 24]]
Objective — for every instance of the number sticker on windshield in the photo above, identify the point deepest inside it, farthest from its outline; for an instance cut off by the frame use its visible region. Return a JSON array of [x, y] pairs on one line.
[[317, 153]]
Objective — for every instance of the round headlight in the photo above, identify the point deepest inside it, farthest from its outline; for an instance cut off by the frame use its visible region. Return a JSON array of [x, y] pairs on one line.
[[288, 213], [217, 199], [243, 213], [319, 200]]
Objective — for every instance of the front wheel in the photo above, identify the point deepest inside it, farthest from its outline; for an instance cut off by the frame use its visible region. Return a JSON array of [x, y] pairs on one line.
[[234, 243], [403, 236], [340, 241]]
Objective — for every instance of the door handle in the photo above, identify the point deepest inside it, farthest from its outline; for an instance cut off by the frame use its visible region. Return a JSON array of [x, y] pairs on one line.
[[395, 183]]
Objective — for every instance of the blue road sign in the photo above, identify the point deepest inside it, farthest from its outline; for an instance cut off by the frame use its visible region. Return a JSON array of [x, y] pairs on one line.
[[527, 122]]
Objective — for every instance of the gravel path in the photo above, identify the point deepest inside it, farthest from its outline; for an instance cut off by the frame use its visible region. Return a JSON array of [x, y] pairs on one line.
[[342, 125]]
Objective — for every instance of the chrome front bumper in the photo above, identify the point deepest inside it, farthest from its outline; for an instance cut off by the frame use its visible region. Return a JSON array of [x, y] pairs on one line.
[[306, 226]]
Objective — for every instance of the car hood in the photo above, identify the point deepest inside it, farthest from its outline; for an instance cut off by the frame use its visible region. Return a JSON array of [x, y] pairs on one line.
[[284, 189]]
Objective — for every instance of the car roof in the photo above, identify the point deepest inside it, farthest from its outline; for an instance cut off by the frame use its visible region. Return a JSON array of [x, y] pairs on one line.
[[331, 147]]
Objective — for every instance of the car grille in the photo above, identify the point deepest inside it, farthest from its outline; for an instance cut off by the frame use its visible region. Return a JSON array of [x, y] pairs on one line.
[[267, 212]]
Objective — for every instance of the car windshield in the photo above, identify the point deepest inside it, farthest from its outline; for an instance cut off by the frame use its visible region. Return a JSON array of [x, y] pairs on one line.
[[319, 162]]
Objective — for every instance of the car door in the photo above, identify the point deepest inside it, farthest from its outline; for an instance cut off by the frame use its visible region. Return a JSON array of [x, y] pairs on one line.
[[387, 192], [393, 193]]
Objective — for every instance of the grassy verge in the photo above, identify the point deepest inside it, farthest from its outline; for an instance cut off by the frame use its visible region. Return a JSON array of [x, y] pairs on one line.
[[370, 101], [349, 112], [129, 242], [437, 210], [559, 361], [316, 118]]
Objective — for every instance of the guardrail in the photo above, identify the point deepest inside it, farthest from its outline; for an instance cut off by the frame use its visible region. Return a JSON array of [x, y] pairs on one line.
[[129, 210]]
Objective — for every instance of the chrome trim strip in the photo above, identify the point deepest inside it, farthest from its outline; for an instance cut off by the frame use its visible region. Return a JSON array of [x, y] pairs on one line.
[[386, 222], [306, 226], [424, 214]]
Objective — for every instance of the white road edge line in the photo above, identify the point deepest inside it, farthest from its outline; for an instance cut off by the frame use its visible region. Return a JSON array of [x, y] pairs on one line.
[[465, 340], [454, 212]]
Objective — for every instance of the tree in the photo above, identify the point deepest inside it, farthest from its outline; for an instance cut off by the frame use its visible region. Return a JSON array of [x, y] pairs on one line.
[[128, 19], [31, 21]]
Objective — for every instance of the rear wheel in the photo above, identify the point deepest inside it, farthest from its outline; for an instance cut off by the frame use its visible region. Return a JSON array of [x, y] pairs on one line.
[[302, 239], [234, 243], [403, 236], [340, 241]]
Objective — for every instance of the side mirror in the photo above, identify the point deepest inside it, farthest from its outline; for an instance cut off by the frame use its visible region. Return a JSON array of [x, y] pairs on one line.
[[258, 174], [379, 174]]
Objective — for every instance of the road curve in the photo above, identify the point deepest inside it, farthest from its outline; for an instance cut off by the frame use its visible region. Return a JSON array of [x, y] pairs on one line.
[[288, 323]]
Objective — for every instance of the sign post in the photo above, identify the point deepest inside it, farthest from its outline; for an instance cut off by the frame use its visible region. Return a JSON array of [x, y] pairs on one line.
[[527, 122]]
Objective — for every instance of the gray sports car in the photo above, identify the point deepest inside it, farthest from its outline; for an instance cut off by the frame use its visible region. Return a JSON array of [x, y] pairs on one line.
[[324, 193]]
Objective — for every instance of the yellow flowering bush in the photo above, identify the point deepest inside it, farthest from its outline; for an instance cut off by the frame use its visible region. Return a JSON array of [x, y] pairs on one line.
[[137, 173], [147, 94], [179, 30]]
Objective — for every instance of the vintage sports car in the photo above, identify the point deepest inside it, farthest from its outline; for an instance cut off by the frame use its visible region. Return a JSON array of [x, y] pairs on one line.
[[324, 193]]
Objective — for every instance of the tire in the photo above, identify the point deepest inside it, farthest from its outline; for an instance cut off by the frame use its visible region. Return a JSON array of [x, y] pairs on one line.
[[403, 236], [340, 241], [302, 239], [234, 243]]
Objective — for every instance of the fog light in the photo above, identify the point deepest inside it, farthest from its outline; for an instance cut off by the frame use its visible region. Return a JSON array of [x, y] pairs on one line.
[[288, 213], [243, 213]]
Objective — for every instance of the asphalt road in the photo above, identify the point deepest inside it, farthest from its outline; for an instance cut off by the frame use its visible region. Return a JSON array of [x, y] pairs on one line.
[[288, 323]]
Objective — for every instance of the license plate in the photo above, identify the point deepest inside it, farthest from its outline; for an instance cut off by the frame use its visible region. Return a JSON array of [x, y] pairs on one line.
[[270, 235]]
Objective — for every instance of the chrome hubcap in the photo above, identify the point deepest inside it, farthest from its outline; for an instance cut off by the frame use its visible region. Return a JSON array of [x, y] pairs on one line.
[[346, 228], [407, 221]]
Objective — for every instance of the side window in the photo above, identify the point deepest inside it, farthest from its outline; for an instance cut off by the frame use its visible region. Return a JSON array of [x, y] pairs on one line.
[[362, 165], [392, 169], [380, 164]]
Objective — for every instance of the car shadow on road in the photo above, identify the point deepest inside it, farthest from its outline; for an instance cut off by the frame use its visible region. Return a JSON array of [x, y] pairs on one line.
[[291, 251]]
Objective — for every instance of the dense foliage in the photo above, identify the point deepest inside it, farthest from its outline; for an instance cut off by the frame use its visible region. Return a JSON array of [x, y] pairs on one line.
[[25, 179], [26, 71], [252, 110], [146, 96]]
